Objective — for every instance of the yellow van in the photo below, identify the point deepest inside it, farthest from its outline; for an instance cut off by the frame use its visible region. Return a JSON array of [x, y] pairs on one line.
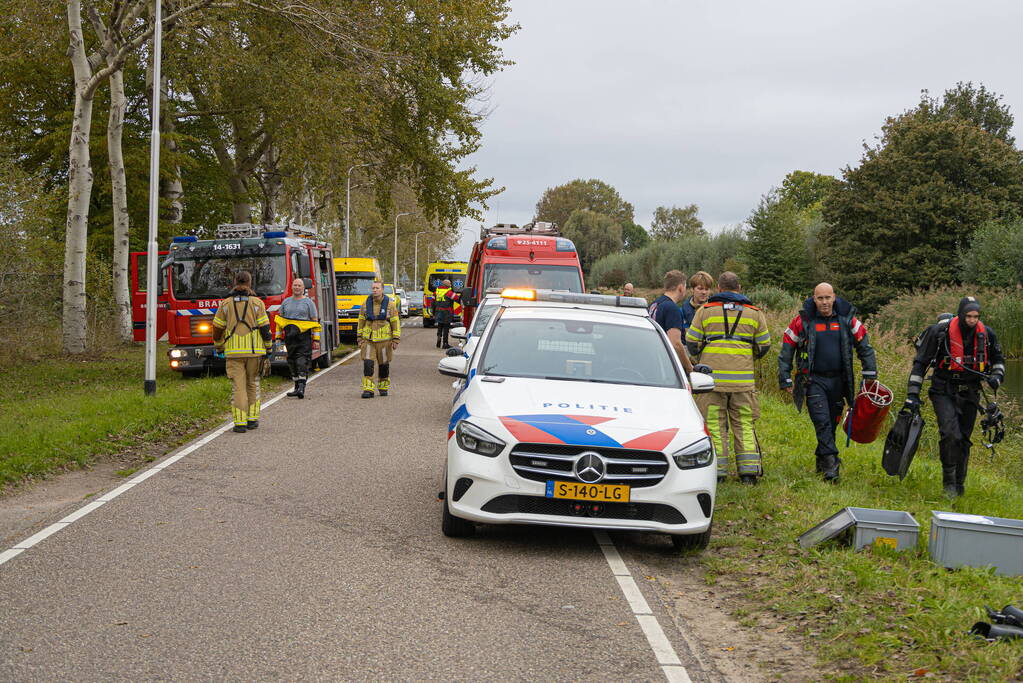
[[391, 292], [354, 278], [437, 272]]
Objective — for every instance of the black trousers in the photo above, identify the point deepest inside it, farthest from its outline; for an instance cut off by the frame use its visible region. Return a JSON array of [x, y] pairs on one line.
[[300, 350], [443, 317], [955, 406], [825, 399]]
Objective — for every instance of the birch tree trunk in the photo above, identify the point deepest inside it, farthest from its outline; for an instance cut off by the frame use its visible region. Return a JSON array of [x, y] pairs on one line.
[[79, 189], [119, 196]]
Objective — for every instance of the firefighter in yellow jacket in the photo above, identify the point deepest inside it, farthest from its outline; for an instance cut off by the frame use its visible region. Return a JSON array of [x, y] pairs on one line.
[[379, 334], [728, 333], [241, 331]]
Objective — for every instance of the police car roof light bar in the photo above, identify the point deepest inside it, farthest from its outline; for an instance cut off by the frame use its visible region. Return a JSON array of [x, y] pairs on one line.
[[574, 298]]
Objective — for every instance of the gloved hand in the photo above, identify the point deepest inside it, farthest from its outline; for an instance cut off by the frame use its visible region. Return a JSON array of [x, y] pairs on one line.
[[913, 402], [705, 369], [994, 381]]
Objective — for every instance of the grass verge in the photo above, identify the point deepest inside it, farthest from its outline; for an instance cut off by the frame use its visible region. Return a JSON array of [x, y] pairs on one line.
[[870, 614], [62, 412]]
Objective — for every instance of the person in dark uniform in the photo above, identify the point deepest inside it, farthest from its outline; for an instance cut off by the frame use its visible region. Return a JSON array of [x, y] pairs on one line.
[[964, 353], [444, 312], [821, 339]]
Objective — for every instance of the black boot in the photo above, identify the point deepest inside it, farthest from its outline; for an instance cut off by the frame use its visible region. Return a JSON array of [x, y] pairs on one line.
[[438, 341], [819, 469], [300, 388], [831, 465], [961, 475], [948, 481], [293, 392]]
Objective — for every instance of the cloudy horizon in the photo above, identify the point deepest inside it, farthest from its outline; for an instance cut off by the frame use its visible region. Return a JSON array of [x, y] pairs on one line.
[[714, 103]]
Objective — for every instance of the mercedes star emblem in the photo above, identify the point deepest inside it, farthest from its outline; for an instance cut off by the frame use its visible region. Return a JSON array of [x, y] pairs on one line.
[[590, 467]]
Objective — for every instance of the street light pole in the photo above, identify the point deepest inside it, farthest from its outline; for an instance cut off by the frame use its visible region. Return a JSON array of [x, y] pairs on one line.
[[415, 258], [404, 213], [348, 207], [153, 255]]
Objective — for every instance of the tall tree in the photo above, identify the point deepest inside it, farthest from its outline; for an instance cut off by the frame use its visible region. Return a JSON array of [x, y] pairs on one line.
[[595, 235], [675, 222], [634, 236], [776, 248], [900, 219], [806, 189], [558, 203]]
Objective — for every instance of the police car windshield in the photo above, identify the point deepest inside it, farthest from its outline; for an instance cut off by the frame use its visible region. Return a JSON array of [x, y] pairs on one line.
[[536, 276], [580, 351], [213, 278], [483, 316]]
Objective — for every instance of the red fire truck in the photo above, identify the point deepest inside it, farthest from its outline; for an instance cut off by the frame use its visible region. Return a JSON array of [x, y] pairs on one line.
[[534, 255], [196, 274]]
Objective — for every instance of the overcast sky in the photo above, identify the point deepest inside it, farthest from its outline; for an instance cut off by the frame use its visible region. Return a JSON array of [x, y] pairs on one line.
[[713, 102]]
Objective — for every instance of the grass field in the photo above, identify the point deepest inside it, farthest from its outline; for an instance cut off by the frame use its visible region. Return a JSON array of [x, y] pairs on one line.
[[873, 614], [61, 412]]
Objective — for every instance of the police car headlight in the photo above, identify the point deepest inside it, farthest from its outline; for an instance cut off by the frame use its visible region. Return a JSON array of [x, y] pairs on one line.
[[475, 440], [697, 454], [178, 353]]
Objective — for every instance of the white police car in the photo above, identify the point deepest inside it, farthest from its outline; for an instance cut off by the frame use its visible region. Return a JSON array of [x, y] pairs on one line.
[[576, 412]]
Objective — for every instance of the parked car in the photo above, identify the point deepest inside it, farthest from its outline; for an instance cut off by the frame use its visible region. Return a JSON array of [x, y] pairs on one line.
[[575, 411]]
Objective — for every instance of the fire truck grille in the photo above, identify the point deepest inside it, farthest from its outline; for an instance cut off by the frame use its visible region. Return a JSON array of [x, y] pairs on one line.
[[544, 462]]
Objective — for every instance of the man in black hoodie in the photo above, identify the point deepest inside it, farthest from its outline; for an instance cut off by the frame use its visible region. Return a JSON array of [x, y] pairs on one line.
[[964, 352], [822, 339]]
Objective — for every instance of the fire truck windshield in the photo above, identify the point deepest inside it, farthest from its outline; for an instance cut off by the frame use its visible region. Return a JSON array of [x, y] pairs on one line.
[[199, 277], [564, 278]]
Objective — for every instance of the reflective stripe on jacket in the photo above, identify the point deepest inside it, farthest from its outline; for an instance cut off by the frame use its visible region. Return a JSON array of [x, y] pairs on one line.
[[379, 330], [246, 327], [728, 333]]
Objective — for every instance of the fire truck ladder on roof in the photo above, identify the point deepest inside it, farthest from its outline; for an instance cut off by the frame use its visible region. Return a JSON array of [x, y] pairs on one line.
[[243, 230], [534, 228]]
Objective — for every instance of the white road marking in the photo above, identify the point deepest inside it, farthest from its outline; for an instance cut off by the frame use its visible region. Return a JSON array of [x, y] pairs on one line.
[[662, 648], [39, 536]]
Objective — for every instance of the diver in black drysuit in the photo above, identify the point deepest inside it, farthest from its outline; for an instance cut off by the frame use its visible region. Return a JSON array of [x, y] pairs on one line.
[[964, 352]]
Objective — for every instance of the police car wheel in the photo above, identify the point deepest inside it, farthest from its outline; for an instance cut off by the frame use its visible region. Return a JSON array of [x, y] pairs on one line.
[[455, 527], [692, 541]]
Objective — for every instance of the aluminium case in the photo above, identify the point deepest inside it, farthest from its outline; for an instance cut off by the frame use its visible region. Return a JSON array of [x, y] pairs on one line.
[[892, 528], [964, 540]]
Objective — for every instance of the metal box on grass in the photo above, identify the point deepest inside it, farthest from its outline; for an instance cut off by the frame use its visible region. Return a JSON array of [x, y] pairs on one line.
[[962, 540], [892, 528]]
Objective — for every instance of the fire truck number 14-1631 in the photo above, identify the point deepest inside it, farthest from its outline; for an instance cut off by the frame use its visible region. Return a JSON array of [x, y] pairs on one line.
[[229, 245]]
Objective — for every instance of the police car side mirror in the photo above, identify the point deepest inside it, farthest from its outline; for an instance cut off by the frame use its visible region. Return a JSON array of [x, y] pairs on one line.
[[701, 383], [453, 366], [457, 332]]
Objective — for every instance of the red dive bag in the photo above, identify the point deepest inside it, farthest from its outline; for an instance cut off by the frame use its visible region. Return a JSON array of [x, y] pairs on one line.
[[864, 420]]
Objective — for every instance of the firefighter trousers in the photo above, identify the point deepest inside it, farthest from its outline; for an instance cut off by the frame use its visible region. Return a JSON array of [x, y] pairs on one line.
[[955, 407], [382, 352], [244, 375], [733, 413], [300, 350], [825, 399]]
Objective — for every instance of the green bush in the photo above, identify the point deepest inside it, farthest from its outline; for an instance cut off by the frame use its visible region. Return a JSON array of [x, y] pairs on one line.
[[646, 267], [995, 255], [1002, 309], [774, 299]]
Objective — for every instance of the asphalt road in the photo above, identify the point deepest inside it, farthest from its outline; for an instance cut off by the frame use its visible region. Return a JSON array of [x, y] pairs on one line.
[[311, 549]]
